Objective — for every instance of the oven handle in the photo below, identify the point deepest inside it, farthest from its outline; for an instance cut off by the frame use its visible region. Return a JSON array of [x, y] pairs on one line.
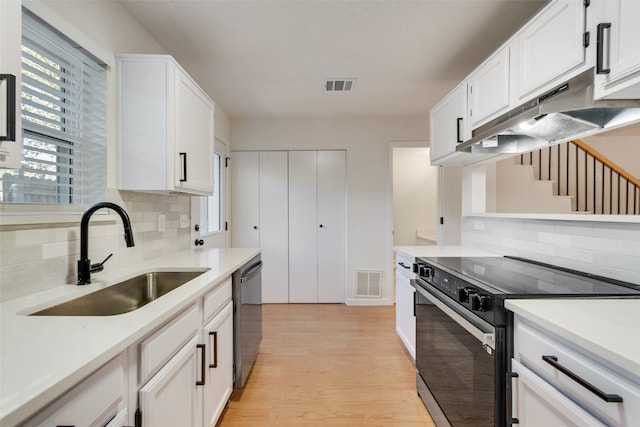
[[488, 339]]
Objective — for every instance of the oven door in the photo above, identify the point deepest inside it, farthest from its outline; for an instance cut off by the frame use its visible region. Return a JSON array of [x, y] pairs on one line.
[[459, 377]]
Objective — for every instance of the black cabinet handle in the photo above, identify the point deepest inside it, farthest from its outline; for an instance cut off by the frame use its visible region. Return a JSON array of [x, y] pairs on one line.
[[202, 364], [553, 361], [458, 133], [404, 266], [600, 49], [11, 107], [184, 167], [510, 419], [199, 242], [215, 349]]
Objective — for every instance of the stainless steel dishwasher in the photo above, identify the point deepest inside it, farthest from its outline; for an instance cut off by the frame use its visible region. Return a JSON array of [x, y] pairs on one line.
[[247, 322]]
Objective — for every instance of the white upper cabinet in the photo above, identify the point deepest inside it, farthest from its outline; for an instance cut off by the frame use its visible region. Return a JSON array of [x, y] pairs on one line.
[[448, 126], [10, 69], [488, 88], [548, 50], [618, 54], [165, 128]]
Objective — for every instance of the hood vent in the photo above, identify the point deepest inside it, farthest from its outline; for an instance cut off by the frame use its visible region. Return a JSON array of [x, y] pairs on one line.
[[564, 113], [339, 85]]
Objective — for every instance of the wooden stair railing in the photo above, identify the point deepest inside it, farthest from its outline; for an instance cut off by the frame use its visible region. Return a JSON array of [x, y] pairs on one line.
[[597, 184]]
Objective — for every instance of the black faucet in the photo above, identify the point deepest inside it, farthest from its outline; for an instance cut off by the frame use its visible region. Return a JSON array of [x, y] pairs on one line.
[[85, 268]]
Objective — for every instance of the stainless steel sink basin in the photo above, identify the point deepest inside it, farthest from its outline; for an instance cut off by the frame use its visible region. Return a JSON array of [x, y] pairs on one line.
[[123, 297]]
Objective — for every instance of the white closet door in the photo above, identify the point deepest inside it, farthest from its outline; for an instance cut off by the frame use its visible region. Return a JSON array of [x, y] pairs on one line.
[[245, 199], [331, 226], [303, 227], [274, 226]]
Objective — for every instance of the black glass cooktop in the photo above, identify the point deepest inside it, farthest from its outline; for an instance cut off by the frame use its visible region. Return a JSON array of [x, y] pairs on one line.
[[513, 277]]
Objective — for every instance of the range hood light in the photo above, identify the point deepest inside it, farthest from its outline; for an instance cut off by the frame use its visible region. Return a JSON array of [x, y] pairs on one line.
[[527, 124]]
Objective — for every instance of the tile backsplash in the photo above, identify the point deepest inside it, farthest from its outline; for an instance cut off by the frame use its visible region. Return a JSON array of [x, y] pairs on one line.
[[610, 249], [40, 256]]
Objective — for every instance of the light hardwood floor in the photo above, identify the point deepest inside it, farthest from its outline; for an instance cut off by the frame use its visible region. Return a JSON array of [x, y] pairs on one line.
[[329, 364]]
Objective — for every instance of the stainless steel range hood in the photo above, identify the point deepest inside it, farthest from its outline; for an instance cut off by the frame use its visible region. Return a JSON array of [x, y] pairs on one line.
[[564, 113]]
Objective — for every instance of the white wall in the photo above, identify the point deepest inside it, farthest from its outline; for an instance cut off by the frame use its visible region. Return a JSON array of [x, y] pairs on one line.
[[38, 256], [366, 141], [414, 195]]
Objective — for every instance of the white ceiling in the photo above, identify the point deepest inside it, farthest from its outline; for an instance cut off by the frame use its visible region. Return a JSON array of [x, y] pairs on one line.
[[269, 58]]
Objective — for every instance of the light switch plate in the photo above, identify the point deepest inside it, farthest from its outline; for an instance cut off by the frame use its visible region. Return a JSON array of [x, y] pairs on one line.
[[184, 221]]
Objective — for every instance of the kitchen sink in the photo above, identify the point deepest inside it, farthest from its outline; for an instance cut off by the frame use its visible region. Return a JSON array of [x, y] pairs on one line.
[[124, 296]]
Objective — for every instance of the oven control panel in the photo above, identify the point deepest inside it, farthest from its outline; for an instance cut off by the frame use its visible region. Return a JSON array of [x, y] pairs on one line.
[[459, 290]]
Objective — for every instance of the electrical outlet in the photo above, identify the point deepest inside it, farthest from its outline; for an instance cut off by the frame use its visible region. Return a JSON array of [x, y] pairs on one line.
[[478, 224], [184, 221], [161, 222]]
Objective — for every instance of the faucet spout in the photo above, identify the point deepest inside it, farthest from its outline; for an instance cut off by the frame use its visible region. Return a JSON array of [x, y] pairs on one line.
[[84, 263]]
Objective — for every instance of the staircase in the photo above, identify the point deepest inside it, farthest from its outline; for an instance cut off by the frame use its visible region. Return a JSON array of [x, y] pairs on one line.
[[567, 178]]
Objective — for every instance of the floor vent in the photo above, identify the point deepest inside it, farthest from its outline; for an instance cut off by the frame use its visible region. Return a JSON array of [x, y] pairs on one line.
[[339, 85], [369, 284]]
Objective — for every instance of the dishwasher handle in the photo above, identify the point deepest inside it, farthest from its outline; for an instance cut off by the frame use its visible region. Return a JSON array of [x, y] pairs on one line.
[[251, 271]]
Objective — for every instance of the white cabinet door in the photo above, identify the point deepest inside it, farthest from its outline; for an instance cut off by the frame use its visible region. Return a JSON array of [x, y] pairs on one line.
[[194, 117], [218, 338], [405, 318], [10, 59], [171, 398], [488, 89], [303, 227], [538, 403], [548, 49], [245, 199], [448, 125], [331, 226], [259, 188], [620, 31]]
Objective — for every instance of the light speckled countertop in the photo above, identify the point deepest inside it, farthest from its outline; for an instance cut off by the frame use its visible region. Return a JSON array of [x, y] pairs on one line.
[[42, 356], [607, 328]]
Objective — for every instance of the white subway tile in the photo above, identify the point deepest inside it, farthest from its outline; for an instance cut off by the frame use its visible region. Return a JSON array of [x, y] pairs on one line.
[[594, 243]]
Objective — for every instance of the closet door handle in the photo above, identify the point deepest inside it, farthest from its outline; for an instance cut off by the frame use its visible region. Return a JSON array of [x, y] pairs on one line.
[[553, 361], [10, 134], [215, 349], [600, 49], [183, 156]]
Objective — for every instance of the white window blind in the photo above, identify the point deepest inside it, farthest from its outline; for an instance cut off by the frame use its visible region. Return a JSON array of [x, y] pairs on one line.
[[63, 120]]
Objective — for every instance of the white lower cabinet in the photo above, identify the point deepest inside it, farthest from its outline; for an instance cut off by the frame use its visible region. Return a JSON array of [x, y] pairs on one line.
[[405, 294], [98, 401], [171, 398], [537, 403], [218, 337], [560, 383], [192, 385]]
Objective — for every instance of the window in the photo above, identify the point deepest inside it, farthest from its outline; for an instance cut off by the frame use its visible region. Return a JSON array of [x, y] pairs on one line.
[[63, 120]]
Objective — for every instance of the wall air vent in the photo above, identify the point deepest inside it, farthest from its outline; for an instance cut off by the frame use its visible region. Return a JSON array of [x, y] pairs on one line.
[[339, 85], [368, 284]]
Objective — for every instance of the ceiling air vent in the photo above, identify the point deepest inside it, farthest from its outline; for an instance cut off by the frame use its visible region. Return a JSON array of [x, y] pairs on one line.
[[339, 85]]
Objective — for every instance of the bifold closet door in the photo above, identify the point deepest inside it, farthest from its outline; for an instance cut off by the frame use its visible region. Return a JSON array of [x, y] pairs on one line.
[[317, 226], [259, 201], [303, 227], [331, 226], [274, 226]]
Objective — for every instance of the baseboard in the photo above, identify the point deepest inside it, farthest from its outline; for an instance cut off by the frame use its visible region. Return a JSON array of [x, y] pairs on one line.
[[369, 301]]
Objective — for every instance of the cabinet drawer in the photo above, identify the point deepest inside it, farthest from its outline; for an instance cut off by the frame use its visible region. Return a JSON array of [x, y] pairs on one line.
[[95, 402], [156, 350], [532, 343], [215, 300], [404, 265]]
